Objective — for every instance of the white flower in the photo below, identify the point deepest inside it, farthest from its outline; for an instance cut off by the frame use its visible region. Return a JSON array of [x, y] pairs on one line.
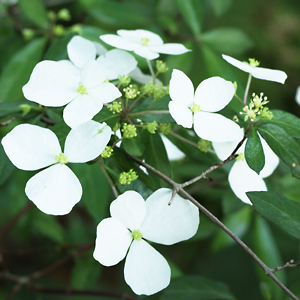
[[56, 189], [53, 84], [212, 95], [133, 220], [257, 72], [143, 42], [173, 152], [115, 62], [241, 178], [298, 95]]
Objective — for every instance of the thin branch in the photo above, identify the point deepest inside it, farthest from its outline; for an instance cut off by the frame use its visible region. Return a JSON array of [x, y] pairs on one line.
[[289, 264], [247, 89], [112, 185], [148, 112], [12, 222], [178, 187], [7, 122]]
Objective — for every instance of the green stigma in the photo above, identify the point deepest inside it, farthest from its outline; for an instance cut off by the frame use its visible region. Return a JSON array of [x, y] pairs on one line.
[[195, 108], [253, 62], [61, 158], [241, 156], [145, 41], [81, 89], [137, 235]]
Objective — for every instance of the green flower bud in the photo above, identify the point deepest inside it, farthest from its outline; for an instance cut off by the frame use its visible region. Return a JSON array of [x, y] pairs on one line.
[[129, 131], [107, 152], [58, 30], [204, 145], [124, 79], [152, 127], [28, 34], [115, 107], [165, 128], [26, 108], [161, 66], [51, 15], [131, 92], [64, 14], [127, 177]]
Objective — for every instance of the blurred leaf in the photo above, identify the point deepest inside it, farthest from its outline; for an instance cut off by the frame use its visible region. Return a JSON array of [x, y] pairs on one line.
[[285, 120], [18, 69], [134, 146], [220, 7], [92, 33], [283, 145], [61, 130], [254, 152], [58, 49], [11, 108], [6, 167], [227, 40], [238, 222], [35, 12], [196, 288], [119, 15], [190, 9], [266, 249], [96, 189], [279, 209]]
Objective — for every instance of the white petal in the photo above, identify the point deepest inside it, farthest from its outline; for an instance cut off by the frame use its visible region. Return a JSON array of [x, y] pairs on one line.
[[271, 160], [298, 95], [146, 270], [244, 66], [31, 147], [104, 92], [140, 77], [75, 70], [169, 224], [223, 150], [92, 74], [54, 190], [112, 242], [80, 51], [139, 34], [117, 62], [144, 51], [181, 114], [119, 42], [82, 109], [214, 127], [172, 151], [181, 89], [100, 50], [51, 84], [213, 94], [171, 48], [242, 179], [130, 209], [269, 74], [87, 141]]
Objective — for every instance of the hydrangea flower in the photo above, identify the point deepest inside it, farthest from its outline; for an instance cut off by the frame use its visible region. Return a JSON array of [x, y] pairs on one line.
[[132, 221], [54, 84], [143, 42], [188, 108], [297, 97], [257, 72], [116, 62], [241, 178], [54, 190]]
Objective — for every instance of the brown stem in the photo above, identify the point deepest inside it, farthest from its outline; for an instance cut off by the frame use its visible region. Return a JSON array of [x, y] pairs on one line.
[[289, 264], [112, 185], [178, 187], [148, 112]]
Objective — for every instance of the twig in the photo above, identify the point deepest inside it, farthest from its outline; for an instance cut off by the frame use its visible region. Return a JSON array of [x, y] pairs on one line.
[[7, 122], [289, 264], [148, 112], [112, 185], [247, 89]]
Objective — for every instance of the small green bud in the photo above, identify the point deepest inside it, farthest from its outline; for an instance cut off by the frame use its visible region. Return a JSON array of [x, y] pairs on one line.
[[148, 89], [161, 66], [131, 92], [259, 101], [127, 177], [61, 158], [249, 112], [204, 145], [129, 131], [265, 113], [115, 107], [152, 127], [51, 16], [124, 79], [28, 34], [165, 128], [107, 152], [58, 30], [136, 235], [26, 108], [159, 91], [64, 14], [76, 28]]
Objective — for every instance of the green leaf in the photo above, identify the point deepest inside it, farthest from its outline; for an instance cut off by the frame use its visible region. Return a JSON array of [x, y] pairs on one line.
[[196, 288], [35, 12], [266, 249], [105, 115], [227, 40], [6, 167], [279, 209], [134, 146], [190, 9], [11, 108], [61, 130], [285, 120], [220, 6], [92, 33], [254, 152], [18, 69], [238, 222], [283, 145]]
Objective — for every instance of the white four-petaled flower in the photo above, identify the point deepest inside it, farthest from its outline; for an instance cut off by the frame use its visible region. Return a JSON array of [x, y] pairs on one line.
[[257, 72], [56, 189], [188, 108], [241, 178], [143, 42], [132, 221]]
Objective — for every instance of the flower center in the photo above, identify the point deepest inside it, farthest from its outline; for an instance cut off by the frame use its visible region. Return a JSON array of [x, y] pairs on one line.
[[81, 89], [137, 235], [195, 108], [61, 158], [145, 41], [253, 62], [241, 156]]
